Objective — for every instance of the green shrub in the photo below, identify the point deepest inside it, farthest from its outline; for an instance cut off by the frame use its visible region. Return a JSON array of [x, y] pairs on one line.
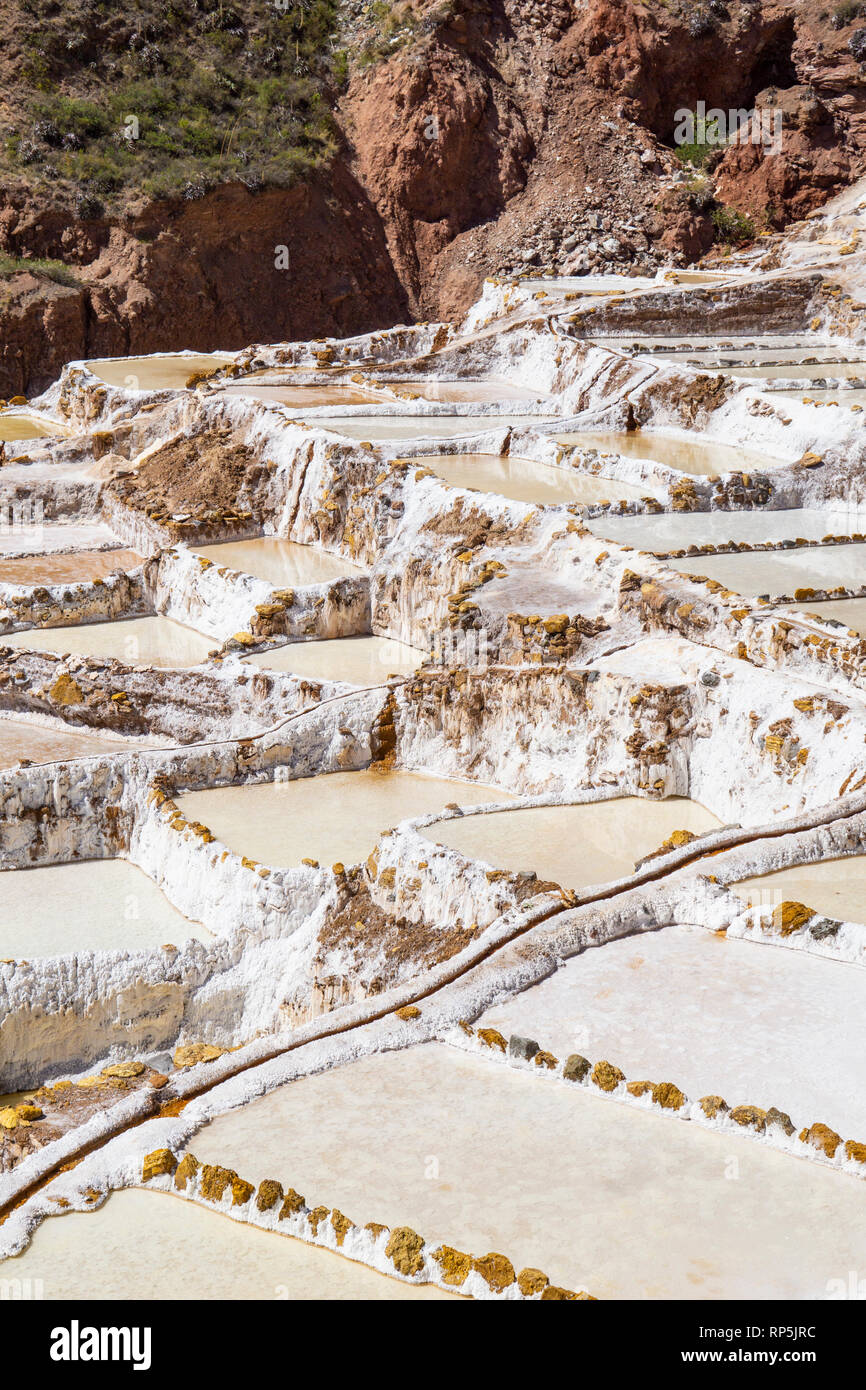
[[732, 227]]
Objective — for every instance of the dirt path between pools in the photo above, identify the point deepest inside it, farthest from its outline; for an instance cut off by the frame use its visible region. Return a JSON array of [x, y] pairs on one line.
[[162, 1107]]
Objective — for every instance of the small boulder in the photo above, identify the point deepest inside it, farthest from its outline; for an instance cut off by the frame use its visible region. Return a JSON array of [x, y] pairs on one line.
[[522, 1049], [496, 1270], [576, 1067], [606, 1076], [158, 1162], [404, 1251]]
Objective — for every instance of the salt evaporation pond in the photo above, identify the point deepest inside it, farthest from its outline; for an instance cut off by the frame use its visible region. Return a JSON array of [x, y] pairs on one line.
[[26, 427], [601, 1196], [94, 905], [50, 536], [74, 567], [154, 1246], [358, 660], [134, 641], [300, 396], [835, 887], [656, 1004], [686, 455], [851, 395], [573, 845], [280, 562], [54, 741], [525, 480], [336, 817], [850, 611], [372, 427], [166, 372], [791, 372], [675, 530], [457, 391], [783, 572]]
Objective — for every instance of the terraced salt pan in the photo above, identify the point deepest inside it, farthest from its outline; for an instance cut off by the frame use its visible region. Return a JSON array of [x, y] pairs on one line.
[[851, 396], [573, 845], [772, 572], [421, 426], [280, 562], [336, 817], [685, 455], [524, 480], [51, 536], [69, 568], [96, 905], [676, 530], [792, 372], [168, 372], [358, 660], [26, 427], [835, 887], [456, 391], [151, 1245], [301, 396], [657, 1005], [850, 611], [603, 1197], [135, 641], [55, 741]]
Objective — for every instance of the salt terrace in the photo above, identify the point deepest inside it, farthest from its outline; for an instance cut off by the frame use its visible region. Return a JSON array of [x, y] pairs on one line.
[[445, 747]]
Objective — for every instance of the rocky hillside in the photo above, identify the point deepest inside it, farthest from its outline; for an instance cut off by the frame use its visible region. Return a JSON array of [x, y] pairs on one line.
[[191, 173]]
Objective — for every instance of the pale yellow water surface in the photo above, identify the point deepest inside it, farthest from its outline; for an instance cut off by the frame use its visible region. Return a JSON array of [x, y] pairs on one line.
[[96, 905], [280, 562], [482, 391], [302, 395], [358, 660], [135, 641], [524, 480], [336, 817], [55, 741], [834, 887], [850, 611], [696, 455], [152, 1245], [170, 371], [573, 845], [372, 427], [617, 1201], [783, 572], [26, 427], [790, 372], [70, 568]]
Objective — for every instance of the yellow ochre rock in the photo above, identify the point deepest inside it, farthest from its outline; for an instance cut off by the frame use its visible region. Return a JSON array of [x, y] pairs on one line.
[[192, 1053], [404, 1250], [158, 1162]]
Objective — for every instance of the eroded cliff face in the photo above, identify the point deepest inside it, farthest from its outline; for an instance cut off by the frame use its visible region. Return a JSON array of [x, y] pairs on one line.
[[495, 137]]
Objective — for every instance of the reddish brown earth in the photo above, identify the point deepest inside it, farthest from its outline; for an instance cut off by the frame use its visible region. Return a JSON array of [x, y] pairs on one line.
[[506, 136]]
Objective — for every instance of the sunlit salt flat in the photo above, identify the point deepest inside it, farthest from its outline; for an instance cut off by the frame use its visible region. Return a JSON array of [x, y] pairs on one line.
[[600, 1196], [524, 480], [165, 372], [54, 741], [98, 905], [155, 1246], [14, 426], [657, 1004], [686, 455], [374, 427], [135, 641], [676, 530], [783, 572], [71, 568], [835, 887], [280, 562], [573, 845], [25, 538], [332, 818], [358, 660]]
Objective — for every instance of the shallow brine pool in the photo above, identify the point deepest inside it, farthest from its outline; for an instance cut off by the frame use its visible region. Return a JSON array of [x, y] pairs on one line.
[[134, 641], [26, 537], [151, 1245], [524, 480], [75, 567], [97, 905], [791, 372], [660, 1004], [834, 887], [335, 818], [166, 372], [573, 845], [696, 456], [358, 660], [280, 562], [602, 1197], [301, 396], [676, 530], [55, 742], [850, 611], [457, 391], [14, 426]]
